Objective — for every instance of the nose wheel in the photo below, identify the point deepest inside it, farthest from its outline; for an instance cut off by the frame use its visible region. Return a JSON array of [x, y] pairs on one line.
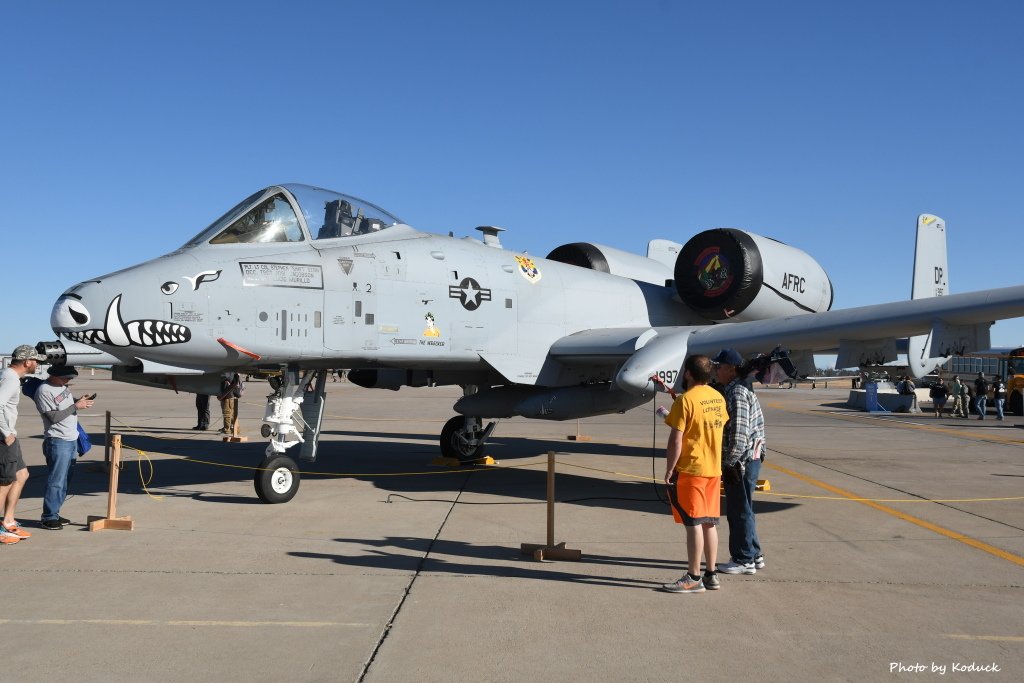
[[277, 479]]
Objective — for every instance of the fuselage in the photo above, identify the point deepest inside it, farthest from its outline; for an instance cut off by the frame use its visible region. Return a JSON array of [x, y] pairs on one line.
[[273, 282]]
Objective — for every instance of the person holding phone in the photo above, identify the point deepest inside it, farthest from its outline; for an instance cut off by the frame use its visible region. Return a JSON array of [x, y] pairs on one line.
[[59, 410]]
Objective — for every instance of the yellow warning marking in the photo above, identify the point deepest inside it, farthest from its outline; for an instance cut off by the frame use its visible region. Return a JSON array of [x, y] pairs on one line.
[[1005, 639], [860, 417], [896, 500], [956, 536], [151, 622]]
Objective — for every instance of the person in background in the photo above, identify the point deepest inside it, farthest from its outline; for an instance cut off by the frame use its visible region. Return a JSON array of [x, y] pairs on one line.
[[959, 408], [998, 395], [202, 412], [980, 395], [906, 387], [13, 472], [59, 410], [230, 391], [965, 399], [939, 393]]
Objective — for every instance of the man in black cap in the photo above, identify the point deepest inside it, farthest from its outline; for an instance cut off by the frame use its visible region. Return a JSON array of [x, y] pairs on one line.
[[13, 472], [59, 411], [742, 449]]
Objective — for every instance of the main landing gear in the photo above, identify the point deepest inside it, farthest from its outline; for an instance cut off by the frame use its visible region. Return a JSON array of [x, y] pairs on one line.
[[464, 438]]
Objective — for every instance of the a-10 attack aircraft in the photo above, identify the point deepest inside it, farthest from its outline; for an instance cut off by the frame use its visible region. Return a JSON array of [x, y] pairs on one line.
[[296, 279]]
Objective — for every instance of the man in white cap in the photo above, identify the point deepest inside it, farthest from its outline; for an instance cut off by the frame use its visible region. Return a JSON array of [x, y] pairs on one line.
[[13, 472], [59, 411]]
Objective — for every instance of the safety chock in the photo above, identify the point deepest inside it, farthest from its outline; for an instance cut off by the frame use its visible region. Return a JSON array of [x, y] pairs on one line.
[[762, 485], [441, 461]]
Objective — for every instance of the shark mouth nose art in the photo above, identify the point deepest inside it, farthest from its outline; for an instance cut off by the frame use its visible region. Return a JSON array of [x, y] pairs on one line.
[[116, 332]]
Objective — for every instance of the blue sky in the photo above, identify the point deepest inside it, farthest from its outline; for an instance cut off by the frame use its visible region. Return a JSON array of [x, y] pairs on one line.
[[126, 127]]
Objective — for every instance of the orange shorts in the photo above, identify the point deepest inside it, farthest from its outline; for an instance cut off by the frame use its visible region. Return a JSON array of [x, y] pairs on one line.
[[696, 500]]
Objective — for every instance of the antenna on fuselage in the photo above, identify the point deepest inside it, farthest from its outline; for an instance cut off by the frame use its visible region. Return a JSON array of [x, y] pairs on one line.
[[491, 232]]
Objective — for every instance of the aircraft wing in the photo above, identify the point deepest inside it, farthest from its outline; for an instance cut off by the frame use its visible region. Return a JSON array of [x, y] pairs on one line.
[[956, 324]]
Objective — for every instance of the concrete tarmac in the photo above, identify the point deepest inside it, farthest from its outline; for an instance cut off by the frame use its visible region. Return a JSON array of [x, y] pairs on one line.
[[894, 548]]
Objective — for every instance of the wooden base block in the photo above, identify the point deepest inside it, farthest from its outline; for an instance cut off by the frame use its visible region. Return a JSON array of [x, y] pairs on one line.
[[235, 439], [551, 552], [117, 523], [578, 437]]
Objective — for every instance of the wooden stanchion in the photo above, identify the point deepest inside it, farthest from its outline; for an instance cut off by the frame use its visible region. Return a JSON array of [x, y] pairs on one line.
[[550, 550], [235, 437], [112, 521], [577, 436]]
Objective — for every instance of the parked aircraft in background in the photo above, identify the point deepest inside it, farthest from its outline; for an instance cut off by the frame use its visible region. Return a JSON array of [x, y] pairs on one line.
[[299, 279]]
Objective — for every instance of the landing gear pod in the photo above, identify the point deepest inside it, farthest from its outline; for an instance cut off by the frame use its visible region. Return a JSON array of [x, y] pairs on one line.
[[730, 274]]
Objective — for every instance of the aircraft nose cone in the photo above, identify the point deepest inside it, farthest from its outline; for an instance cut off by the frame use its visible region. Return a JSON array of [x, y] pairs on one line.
[[69, 313]]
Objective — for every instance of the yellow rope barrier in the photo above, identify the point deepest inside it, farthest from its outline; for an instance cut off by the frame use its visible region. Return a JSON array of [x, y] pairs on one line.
[[495, 468]]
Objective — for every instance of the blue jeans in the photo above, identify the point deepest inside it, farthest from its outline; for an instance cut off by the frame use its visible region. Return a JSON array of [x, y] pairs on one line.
[[999, 408], [60, 460], [744, 545], [979, 405]]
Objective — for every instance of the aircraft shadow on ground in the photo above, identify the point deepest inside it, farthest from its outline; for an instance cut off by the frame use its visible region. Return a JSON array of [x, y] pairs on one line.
[[457, 557], [196, 464]]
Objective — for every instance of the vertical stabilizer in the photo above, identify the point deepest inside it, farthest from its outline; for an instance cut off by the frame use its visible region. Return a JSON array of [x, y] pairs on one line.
[[931, 272]]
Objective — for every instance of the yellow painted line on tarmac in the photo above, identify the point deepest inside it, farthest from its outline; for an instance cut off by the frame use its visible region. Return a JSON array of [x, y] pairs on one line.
[[948, 431], [956, 536], [1003, 639], [151, 622]]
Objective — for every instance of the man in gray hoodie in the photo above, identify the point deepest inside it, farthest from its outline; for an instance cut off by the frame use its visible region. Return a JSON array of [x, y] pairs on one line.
[[59, 411]]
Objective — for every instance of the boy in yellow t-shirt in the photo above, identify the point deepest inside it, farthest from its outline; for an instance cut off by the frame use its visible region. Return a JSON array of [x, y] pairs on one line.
[[693, 472]]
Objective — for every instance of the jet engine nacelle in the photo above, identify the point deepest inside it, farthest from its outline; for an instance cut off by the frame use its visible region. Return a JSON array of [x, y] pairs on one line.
[[613, 261], [730, 274]]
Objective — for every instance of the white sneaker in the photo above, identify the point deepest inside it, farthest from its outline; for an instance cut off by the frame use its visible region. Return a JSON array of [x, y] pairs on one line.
[[759, 562], [684, 585], [737, 568]]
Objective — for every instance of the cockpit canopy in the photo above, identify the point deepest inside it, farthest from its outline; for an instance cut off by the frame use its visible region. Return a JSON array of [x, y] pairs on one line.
[[279, 214]]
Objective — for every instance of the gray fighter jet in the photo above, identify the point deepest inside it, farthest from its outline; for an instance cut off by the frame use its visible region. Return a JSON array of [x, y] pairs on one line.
[[296, 280]]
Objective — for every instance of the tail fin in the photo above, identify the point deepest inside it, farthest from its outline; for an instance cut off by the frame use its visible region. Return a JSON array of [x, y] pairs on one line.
[[931, 270]]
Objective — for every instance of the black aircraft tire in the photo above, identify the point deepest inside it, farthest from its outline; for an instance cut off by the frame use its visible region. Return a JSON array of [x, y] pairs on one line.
[[1017, 403], [450, 443], [277, 479]]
